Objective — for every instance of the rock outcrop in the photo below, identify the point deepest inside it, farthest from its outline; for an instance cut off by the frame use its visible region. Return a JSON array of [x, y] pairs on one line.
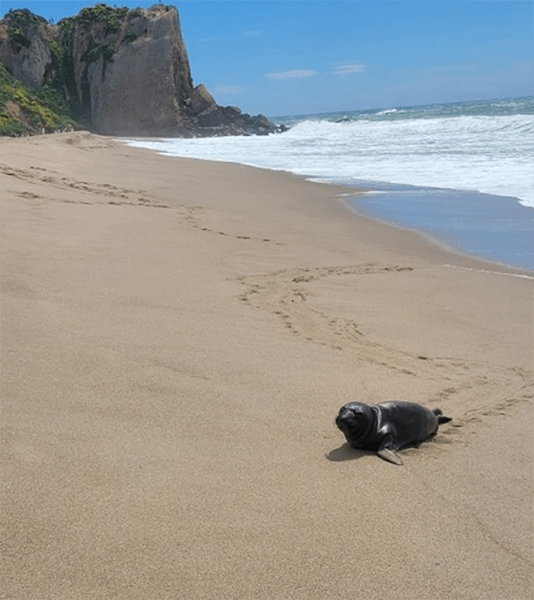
[[122, 72], [24, 47]]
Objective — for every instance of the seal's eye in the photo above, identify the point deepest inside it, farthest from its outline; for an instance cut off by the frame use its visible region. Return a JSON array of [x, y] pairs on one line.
[[348, 416]]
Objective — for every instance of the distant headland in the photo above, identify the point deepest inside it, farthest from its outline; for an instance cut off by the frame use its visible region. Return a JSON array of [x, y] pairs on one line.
[[114, 71]]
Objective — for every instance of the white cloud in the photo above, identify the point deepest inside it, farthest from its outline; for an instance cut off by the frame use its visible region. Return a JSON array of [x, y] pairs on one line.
[[292, 74], [343, 70]]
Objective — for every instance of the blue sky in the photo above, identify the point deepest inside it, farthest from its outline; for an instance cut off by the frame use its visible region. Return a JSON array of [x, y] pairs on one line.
[[281, 58]]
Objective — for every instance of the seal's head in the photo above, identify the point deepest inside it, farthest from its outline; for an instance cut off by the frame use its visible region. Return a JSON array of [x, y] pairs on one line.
[[355, 420]]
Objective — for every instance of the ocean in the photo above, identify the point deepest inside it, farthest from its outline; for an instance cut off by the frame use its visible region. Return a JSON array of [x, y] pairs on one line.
[[462, 172]]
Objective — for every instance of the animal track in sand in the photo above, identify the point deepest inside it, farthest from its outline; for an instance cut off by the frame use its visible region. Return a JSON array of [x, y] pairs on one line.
[[283, 293], [105, 192], [238, 237], [456, 383]]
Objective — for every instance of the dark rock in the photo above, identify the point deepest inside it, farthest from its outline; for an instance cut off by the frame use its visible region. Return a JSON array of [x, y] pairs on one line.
[[211, 117], [201, 99], [123, 72]]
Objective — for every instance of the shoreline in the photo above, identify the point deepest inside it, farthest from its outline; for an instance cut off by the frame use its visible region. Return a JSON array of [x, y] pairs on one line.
[[443, 243], [428, 211], [177, 337], [432, 220]]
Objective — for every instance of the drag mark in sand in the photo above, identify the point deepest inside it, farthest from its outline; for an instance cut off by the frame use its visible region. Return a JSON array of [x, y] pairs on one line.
[[284, 294], [468, 389]]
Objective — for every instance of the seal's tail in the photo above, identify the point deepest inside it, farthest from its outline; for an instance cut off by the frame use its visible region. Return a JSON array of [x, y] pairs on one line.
[[441, 417]]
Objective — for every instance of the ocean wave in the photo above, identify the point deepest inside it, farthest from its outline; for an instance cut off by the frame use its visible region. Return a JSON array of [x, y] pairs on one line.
[[490, 154], [388, 111]]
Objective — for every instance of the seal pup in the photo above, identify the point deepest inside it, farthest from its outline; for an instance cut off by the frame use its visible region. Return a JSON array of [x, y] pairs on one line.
[[388, 427]]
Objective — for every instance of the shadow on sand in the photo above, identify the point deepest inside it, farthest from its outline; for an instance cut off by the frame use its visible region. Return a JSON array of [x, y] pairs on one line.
[[347, 452]]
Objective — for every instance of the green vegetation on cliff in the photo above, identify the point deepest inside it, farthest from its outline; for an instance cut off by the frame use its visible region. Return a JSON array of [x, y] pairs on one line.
[[57, 104], [20, 22], [25, 111], [112, 17]]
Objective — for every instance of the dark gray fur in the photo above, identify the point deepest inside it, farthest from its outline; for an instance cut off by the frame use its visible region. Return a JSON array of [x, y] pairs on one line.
[[388, 427]]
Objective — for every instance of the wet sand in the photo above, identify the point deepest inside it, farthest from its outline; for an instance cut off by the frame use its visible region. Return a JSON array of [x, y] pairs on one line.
[[177, 337], [493, 228]]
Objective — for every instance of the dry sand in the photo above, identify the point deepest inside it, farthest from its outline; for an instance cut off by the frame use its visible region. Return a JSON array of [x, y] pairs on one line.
[[177, 337]]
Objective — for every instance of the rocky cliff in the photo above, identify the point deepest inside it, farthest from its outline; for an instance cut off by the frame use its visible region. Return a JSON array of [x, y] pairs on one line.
[[122, 72]]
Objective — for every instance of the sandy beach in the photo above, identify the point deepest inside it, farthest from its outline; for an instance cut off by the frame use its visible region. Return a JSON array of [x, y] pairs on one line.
[[177, 338]]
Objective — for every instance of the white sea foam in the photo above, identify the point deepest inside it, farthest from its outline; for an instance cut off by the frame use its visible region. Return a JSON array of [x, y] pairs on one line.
[[504, 274], [387, 111], [490, 154]]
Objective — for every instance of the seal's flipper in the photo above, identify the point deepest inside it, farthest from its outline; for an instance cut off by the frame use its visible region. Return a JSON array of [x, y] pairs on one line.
[[441, 417], [390, 455]]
